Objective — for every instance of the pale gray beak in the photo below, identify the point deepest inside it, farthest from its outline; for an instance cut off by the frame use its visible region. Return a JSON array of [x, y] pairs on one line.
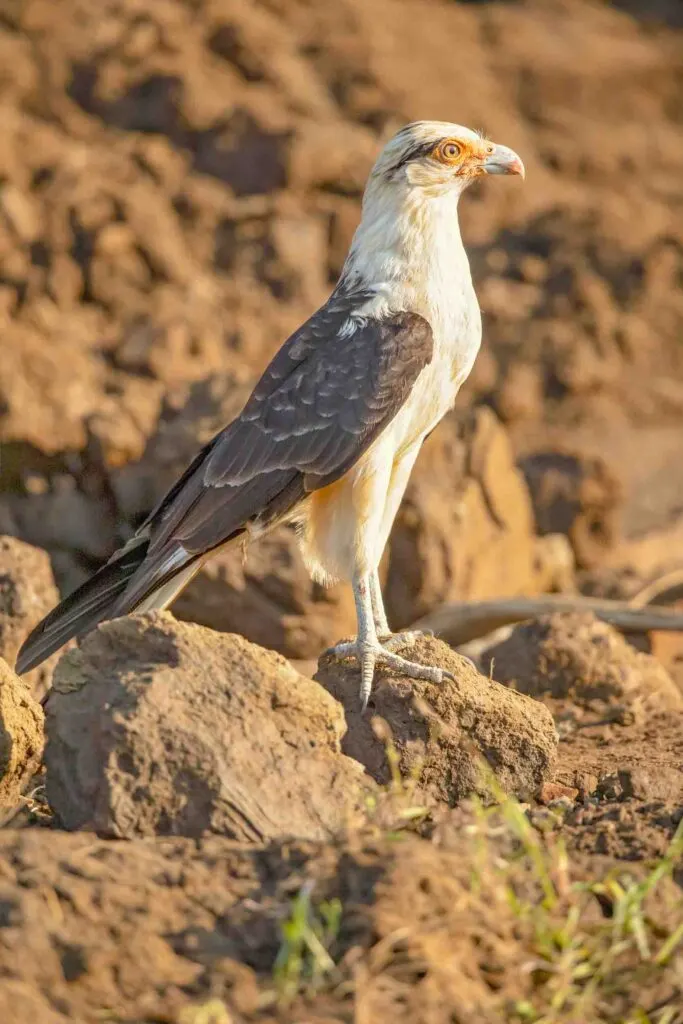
[[503, 161]]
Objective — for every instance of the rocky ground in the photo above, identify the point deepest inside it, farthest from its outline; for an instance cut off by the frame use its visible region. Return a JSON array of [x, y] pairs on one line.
[[197, 825]]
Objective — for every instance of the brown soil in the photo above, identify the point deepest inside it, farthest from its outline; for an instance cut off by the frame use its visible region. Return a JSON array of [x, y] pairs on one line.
[[146, 930], [179, 182], [620, 720]]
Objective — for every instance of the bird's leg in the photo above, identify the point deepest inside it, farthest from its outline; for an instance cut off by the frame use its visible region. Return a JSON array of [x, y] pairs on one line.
[[390, 641], [368, 650], [378, 612], [367, 644]]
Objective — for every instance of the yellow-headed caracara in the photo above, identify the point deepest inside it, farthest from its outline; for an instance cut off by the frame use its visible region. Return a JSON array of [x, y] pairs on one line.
[[331, 431]]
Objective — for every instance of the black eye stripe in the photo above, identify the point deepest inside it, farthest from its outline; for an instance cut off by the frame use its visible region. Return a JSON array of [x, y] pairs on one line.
[[415, 153]]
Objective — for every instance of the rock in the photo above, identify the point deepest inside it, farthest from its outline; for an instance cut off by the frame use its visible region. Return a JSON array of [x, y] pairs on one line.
[[551, 792], [158, 727], [27, 593], [21, 736], [56, 381], [66, 519], [465, 529], [202, 409], [72, 395], [443, 735], [328, 153], [19, 1001], [647, 783], [554, 564], [576, 495], [520, 393], [286, 253], [576, 657]]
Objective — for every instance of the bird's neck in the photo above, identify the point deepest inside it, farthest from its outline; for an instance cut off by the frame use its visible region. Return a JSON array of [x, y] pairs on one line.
[[408, 247]]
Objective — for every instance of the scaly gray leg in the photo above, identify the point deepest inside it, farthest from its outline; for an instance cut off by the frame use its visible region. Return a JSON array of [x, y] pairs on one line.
[[390, 641], [368, 650], [378, 612]]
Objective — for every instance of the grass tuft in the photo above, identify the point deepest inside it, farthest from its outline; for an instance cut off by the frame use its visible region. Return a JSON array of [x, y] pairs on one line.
[[303, 961]]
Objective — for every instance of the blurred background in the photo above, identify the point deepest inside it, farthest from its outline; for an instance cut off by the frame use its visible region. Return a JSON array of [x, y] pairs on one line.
[[179, 183]]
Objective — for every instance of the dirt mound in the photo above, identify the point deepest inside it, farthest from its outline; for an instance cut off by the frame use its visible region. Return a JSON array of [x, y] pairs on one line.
[[27, 593], [190, 922], [21, 737], [577, 657], [446, 737], [156, 727]]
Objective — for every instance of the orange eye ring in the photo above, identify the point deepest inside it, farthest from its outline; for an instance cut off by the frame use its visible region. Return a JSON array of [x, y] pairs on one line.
[[448, 151]]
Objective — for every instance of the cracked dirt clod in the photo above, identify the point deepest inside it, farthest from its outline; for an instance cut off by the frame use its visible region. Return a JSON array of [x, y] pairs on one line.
[[575, 656], [21, 736], [157, 727], [27, 593], [443, 733]]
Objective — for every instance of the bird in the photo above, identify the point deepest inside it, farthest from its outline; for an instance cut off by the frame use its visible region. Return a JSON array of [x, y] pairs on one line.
[[331, 431]]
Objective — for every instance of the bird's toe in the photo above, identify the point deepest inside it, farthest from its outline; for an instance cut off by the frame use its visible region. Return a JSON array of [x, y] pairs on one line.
[[347, 649], [407, 638], [411, 669]]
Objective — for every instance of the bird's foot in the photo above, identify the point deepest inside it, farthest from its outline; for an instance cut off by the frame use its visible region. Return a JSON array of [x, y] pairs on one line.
[[389, 642], [371, 652]]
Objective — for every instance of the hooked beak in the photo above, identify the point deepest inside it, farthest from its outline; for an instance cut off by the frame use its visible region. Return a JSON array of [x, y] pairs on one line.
[[503, 161]]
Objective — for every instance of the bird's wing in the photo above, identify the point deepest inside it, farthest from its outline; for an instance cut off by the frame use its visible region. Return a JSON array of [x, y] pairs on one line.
[[328, 393]]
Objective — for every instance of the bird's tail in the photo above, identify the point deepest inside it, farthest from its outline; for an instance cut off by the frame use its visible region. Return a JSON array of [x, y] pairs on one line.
[[84, 608]]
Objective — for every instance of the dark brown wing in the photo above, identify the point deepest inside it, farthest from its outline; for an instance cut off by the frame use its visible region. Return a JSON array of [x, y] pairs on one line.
[[327, 395]]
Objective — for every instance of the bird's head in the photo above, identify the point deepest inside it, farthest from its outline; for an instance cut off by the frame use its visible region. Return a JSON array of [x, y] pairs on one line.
[[440, 157], [409, 219]]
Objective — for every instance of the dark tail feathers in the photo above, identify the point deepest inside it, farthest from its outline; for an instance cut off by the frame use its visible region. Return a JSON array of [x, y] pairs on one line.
[[78, 613]]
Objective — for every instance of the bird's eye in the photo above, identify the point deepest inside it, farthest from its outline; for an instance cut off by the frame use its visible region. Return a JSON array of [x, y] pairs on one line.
[[448, 151]]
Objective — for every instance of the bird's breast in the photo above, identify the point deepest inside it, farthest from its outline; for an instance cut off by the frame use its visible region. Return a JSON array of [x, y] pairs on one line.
[[456, 323], [430, 399]]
